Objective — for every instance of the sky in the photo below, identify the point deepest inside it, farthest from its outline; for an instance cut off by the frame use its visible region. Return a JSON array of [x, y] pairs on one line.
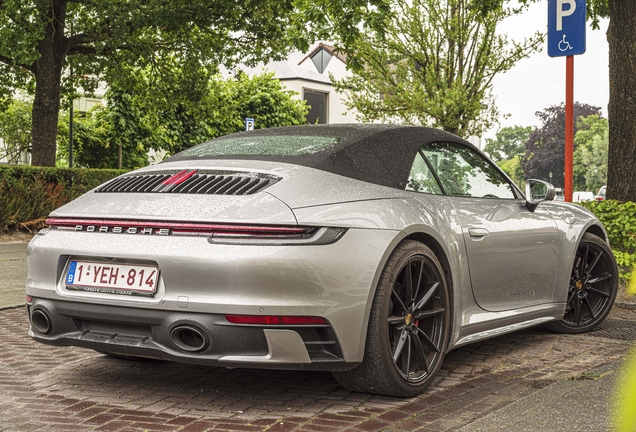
[[539, 81]]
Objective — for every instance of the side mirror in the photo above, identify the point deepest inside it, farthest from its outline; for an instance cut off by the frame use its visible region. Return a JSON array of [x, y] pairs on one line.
[[538, 191]]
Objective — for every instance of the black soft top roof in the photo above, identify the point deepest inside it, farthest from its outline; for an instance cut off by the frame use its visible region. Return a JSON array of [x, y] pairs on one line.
[[374, 153]]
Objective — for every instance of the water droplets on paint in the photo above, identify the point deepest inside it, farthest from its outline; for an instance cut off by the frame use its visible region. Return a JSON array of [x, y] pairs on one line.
[[281, 145]]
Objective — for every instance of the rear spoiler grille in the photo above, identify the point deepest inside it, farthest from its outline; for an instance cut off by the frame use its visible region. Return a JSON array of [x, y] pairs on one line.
[[191, 182]]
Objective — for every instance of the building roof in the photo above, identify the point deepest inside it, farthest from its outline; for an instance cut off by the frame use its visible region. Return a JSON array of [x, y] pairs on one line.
[[284, 70], [330, 49]]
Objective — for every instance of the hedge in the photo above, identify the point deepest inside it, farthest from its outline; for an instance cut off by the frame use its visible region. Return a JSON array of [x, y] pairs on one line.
[[619, 219], [28, 194]]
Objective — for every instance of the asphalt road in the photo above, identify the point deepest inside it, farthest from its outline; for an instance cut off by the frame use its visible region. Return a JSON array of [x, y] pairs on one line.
[[532, 380]]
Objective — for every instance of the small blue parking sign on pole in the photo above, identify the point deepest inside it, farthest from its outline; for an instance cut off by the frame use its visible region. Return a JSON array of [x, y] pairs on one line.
[[566, 27], [249, 124]]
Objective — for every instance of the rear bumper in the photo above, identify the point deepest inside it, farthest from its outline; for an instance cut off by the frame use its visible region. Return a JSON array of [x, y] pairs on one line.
[[200, 283], [150, 333]]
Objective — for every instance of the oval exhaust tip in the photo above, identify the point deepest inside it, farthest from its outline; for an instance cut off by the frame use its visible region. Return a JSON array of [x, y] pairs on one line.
[[189, 338], [41, 321]]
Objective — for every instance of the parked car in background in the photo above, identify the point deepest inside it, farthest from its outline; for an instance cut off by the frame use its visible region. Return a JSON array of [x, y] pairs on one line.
[[367, 250], [559, 194], [601, 194], [579, 196]]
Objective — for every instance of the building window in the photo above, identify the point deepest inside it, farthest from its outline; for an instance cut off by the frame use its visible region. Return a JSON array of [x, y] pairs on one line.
[[321, 60], [317, 103]]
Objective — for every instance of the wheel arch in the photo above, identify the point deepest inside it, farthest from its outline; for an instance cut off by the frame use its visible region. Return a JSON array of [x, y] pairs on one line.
[[597, 231], [415, 244], [416, 234], [440, 253]]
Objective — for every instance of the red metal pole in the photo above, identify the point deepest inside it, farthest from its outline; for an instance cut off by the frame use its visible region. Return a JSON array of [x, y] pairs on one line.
[[569, 126]]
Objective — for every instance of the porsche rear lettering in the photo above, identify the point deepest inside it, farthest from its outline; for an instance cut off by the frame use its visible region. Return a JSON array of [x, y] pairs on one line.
[[123, 230]]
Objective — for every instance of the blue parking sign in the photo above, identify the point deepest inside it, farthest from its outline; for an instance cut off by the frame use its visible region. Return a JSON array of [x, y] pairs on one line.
[[566, 27]]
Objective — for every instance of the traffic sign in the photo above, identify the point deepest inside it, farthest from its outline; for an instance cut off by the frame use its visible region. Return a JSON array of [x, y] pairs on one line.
[[566, 27], [249, 124]]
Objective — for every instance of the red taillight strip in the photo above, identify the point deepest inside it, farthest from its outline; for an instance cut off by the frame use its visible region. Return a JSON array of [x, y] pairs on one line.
[[179, 177], [275, 320], [180, 226]]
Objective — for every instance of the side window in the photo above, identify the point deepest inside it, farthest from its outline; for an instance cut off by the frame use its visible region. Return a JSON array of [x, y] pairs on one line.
[[463, 172], [421, 178]]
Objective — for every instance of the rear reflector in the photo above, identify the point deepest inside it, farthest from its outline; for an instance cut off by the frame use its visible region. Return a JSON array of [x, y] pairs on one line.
[[275, 320]]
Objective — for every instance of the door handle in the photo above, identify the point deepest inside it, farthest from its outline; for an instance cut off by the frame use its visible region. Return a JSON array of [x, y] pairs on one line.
[[478, 232]]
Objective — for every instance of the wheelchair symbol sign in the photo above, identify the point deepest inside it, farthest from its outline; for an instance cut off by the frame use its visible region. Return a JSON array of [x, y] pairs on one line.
[[564, 45], [566, 27]]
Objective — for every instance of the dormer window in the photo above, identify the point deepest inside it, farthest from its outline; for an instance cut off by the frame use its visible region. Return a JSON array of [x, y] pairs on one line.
[[321, 59]]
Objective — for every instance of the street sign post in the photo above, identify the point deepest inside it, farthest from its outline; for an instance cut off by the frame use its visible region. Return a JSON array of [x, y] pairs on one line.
[[249, 124], [566, 38]]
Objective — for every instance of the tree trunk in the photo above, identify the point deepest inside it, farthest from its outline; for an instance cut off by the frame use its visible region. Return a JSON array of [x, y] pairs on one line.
[[48, 81], [621, 37]]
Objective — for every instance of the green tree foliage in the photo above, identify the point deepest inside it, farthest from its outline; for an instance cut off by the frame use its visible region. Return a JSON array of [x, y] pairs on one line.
[[139, 123], [545, 148], [264, 99], [508, 142], [96, 137], [223, 108], [590, 155], [344, 20], [432, 64], [512, 167], [15, 130], [42, 41]]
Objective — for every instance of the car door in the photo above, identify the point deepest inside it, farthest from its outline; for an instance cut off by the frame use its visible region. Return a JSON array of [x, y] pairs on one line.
[[512, 252]]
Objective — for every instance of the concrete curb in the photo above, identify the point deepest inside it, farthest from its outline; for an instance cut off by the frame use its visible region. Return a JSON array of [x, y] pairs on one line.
[[12, 306], [625, 305]]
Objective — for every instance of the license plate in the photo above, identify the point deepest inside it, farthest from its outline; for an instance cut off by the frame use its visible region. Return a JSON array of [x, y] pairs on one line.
[[130, 279]]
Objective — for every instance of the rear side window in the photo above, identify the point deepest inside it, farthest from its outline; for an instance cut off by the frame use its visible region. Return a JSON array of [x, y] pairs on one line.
[[421, 178]]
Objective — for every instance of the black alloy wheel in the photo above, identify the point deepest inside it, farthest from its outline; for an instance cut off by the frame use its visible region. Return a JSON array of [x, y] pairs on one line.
[[416, 319], [408, 328], [593, 287]]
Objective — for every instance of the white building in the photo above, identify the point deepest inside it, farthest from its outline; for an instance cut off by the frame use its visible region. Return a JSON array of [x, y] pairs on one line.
[[310, 78]]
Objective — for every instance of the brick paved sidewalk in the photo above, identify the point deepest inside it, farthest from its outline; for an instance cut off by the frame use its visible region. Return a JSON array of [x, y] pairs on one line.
[[50, 388]]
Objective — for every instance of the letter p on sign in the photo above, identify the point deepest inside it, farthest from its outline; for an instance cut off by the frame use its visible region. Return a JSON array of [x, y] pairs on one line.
[[564, 13]]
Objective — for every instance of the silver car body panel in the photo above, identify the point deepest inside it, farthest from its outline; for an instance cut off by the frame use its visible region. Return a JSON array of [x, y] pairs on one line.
[[283, 346], [512, 253], [335, 281], [229, 279]]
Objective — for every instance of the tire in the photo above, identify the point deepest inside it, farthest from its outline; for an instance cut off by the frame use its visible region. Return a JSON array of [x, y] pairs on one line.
[[409, 326], [593, 287]]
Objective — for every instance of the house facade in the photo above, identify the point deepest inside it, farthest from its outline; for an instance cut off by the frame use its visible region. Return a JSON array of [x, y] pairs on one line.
[[309, 76]]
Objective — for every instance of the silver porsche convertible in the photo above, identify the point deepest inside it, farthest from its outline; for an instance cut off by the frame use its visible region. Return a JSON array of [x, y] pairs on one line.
[[366, 250]]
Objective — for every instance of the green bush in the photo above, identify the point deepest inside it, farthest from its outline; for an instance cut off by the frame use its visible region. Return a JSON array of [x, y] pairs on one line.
[[619, 219], [28, 194]]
